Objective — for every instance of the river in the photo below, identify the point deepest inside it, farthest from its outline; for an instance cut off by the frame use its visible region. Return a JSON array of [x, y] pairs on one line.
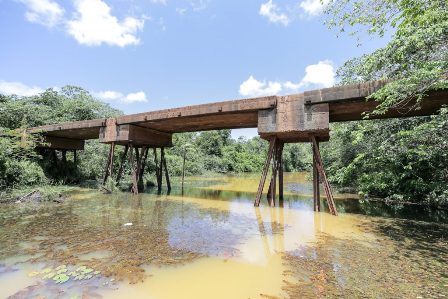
[[210, 242]]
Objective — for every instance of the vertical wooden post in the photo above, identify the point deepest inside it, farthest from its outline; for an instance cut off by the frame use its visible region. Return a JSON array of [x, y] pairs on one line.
[[139, 165], [134, 188], [183, 169], [167, 175], [144, 156], [64, 156], [321, 170], [316, 188], [110, 160], [272, 186], [123, 159], [265, 172], [280, 173], [158, 171], [75, 159]]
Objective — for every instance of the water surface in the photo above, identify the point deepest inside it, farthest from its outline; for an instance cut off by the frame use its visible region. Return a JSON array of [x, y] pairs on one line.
[[210, 242]]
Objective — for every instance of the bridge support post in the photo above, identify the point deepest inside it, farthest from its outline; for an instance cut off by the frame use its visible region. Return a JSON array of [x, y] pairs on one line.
[[316, 179], [144, 157], [275, 154], [321, 171], [110, 163], [167, 175], [123, 160], [158, 172], [265, 171]]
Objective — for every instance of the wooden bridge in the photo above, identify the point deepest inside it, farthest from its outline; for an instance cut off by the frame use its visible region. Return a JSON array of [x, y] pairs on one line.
[[302, 117]]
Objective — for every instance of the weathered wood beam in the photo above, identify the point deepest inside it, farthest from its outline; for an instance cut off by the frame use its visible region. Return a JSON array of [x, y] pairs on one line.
[[264, 172], [167, 175], [134, 188], [122, 162], [316, 189], [60, 143], [320, 168]]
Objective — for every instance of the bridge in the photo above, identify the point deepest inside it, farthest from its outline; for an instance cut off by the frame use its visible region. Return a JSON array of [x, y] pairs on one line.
[[302, 117]]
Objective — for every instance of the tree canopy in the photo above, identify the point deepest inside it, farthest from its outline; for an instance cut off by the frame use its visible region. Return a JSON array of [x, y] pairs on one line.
[[415, 60]]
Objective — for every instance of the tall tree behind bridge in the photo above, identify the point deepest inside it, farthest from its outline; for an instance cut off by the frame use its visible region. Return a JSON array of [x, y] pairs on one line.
[[416, 58], [403, 159]]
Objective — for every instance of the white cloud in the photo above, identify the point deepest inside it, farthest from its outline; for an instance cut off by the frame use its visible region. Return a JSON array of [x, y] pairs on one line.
[[44, 12], [94, 25], [164, 2], [313, 7], [272, 12], [319, 75], [18, 88], [254, 88], [115, 96]]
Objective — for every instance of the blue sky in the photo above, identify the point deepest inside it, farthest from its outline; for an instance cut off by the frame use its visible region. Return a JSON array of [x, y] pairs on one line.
[[142, 55]]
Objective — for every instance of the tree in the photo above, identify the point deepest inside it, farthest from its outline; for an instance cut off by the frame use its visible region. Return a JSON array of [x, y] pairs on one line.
[[415, 60]]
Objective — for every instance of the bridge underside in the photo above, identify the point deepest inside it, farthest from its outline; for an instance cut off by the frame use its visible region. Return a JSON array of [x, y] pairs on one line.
[[303, 117]]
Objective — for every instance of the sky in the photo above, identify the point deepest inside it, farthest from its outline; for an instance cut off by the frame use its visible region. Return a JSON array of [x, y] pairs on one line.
[[144, 55]]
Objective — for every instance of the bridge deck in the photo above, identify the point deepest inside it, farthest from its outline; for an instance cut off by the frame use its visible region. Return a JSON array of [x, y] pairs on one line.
[[346, 103]]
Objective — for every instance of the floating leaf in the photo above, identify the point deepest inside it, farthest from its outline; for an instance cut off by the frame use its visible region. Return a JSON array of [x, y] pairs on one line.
[[97, 272], [49, 275], [88, 276], [61, 278], [34, 273], [46, 270], [61, 267]]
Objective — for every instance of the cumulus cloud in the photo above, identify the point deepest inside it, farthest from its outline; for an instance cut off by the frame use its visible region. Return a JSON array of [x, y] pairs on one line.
[[273, 13], [319, 75], [313, 7], [164, 2], [254, 88], [116, 96], [94, 25], [44, 12], [18, 88]]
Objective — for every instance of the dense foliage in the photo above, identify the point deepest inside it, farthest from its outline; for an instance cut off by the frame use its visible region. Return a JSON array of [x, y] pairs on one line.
[[20, 163], [415, 61], [403, 159]]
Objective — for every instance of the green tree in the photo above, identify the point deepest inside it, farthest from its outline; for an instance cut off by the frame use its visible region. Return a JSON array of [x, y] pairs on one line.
[[415, 61]]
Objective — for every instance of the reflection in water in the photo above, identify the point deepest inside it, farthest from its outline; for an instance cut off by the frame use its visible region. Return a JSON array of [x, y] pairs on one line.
[[212, 243]]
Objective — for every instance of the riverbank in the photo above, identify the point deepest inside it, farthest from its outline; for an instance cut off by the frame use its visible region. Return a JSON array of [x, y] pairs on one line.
[[46, 193]]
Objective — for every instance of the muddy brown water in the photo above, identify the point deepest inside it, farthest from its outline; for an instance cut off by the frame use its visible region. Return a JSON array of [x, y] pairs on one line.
[[210, 242]]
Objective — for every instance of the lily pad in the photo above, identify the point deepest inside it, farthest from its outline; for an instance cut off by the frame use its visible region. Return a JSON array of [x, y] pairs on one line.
[[61, 278], [46, 270], [34, 273], [49, 275]]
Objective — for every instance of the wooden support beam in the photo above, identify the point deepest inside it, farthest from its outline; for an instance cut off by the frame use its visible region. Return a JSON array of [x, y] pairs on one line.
[[280, 173], [134, 188], [110, 161], [123, 160], [321, 170], [272, 185], [316, 188], [75, 159], [265, 172], [167, 175], [142, 168], [158, 176], [139, 165], [183, 169], [159, 190]]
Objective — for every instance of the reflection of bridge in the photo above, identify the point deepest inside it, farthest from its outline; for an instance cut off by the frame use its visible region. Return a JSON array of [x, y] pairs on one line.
[[300, 117]]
